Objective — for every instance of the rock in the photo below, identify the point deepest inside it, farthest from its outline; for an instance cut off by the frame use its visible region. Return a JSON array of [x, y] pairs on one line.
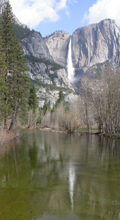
[[34, 45], [58, 46], [96, 43], [63, 79], [2, 2], [71, 98]]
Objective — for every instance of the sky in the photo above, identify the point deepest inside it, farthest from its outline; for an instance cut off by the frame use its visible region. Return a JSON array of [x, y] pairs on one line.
[[48, 16]]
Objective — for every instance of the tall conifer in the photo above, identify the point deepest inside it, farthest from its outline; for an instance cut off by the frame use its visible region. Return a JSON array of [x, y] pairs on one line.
[[32, 101], [3, 85], [15, 72]]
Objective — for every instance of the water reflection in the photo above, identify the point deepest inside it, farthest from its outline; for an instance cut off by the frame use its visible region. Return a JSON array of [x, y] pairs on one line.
[[71, 184], [33, 154], [49, 175], [118, 215], [47, 216]]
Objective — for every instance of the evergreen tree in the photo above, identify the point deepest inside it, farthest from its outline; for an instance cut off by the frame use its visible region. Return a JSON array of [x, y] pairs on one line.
[[46, 107], [3, 86], [61, 97], [15, 77], [7, 35], [18, 81], [32, 102]]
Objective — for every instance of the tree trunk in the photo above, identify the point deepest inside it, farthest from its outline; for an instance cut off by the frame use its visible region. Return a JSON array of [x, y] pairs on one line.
[[12, 122], [5, 123], [14, 116]]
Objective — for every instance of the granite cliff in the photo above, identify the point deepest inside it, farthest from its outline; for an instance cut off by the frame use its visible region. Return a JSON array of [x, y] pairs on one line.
[[91, 45], [47, 57], [94, 44], [48, 75], [57, 44]]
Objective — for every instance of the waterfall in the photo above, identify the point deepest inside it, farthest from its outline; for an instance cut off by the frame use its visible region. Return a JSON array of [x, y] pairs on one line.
[[70, 69], [71, 184]]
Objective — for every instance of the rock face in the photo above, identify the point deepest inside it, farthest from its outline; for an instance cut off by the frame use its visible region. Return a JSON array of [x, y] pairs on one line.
[[95, 44], [92, 44], [35, 45], [58, 46], [48, 76], [2, 5]]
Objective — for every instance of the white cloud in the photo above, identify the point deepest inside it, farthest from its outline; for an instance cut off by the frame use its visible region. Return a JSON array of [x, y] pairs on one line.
[[103, 9], [67, 13], [61, 5], [32, 12]]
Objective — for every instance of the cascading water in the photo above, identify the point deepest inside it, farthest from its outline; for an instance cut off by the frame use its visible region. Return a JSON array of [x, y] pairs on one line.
[[70, 69]]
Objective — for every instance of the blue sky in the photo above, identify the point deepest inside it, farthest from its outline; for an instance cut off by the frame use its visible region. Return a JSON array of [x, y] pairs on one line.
[[48, 16], [69, 19]]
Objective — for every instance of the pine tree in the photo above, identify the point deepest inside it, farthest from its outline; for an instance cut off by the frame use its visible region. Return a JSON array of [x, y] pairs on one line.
[[7, 34], [61, 97], [46, 107], [18, 81], [15, 72], [32, 102], [3, 86]]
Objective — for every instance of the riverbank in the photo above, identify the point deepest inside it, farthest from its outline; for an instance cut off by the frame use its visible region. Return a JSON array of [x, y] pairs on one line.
[[93, 131], [112, 136], [6, 136], [79, 131]]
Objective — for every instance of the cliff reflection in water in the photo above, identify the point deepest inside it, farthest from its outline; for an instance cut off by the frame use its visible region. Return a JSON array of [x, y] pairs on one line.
[[49, 175]]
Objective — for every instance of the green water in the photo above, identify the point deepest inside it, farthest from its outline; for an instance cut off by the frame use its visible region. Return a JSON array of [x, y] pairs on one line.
[[55, 176]]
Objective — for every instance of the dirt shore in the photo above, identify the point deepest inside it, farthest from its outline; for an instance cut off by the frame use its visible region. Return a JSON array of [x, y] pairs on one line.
[[6, 136]]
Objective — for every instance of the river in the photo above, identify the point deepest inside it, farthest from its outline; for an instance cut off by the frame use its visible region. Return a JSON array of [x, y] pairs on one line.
[[55, 176]]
